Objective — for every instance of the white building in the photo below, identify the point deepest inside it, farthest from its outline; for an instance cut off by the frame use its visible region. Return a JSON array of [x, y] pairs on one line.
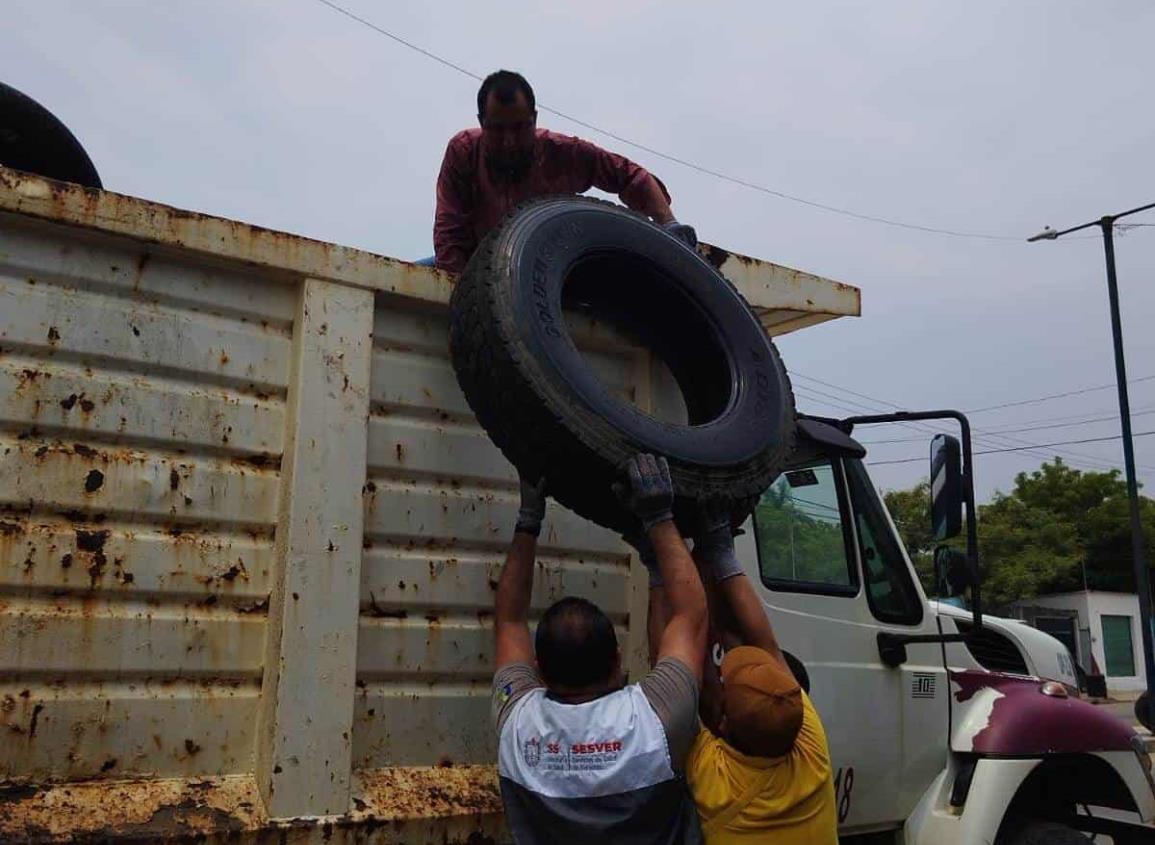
[[1094, 623]]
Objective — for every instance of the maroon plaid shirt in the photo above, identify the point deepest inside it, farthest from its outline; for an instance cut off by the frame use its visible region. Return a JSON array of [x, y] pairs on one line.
[[470, 202]]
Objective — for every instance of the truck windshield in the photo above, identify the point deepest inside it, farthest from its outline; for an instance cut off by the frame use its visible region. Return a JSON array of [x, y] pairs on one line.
[[890, 589], [802, 539]]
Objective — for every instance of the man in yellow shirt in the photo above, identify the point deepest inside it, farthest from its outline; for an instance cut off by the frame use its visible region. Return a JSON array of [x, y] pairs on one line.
[[759, 769]]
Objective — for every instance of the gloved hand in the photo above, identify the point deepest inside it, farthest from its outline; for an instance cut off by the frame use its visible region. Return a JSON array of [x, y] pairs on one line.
[[532, 510], [683, 232], [714, 541], [649, 493], [646, 554]]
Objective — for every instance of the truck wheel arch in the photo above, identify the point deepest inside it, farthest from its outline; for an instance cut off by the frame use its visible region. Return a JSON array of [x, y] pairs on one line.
[[1004, 794], [1061, 784]]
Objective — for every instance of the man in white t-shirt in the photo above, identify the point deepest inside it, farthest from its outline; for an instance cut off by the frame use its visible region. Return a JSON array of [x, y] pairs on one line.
[[581, 755]]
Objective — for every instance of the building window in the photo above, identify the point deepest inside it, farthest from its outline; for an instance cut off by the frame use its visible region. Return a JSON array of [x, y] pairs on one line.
[[801, 536], [1117, 646]]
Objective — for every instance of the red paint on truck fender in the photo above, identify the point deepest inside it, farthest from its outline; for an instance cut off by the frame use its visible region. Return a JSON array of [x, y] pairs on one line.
[[1023, 722]]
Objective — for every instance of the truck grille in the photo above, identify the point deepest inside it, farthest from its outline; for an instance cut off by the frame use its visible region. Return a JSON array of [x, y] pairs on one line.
[[993, 651]]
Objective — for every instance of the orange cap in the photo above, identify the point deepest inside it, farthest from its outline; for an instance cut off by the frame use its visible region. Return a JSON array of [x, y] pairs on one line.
[[763, 702]]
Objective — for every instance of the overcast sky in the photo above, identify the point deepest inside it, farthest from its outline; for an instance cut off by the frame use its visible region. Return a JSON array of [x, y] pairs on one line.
[[983, 116]]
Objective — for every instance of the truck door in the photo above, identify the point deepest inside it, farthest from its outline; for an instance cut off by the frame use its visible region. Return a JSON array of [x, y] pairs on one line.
[[832, 574]]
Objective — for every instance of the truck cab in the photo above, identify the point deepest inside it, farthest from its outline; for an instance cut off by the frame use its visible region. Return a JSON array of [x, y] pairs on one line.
[[924, 739]]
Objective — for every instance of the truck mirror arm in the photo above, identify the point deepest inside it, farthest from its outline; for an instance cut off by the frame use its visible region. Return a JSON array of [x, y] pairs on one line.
[[892, 647]]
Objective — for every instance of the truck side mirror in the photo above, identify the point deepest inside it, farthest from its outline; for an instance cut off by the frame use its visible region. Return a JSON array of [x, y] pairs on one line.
[[946, 487], [952, 571]]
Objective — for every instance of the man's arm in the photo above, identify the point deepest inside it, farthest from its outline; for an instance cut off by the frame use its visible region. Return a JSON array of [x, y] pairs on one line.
[[658, 612], [515, 586], [635, 186], [740, 609], [647, 195], [684, 636], [511, 607], [453, 236], [650, 496]]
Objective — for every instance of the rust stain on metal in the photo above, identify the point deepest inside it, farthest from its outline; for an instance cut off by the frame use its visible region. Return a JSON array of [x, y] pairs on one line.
[[292, 256], [402, 793], [91, 541], [93, 481], [137, 810], [715, 256]]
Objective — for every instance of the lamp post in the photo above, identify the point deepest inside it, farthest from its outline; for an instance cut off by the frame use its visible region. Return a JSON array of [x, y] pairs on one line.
[[1145, 709]]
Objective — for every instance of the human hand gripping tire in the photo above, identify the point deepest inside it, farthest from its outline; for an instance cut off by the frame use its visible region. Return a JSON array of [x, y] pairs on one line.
[[648, 492], [683, 232], [714, 541], [532, 510]]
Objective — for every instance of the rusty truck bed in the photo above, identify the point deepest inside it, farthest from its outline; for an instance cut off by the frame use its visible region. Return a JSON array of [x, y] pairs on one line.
[[249, 530]]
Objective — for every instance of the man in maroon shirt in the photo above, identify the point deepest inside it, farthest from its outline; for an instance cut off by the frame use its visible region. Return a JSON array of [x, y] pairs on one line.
[[487, 172]]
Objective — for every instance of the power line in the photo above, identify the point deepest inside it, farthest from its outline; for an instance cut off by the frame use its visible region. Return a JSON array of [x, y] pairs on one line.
[[1079, 416], [1109, 418], [981, 436], [400, 40], [1024, 448], [1077, 459], [813, 504], [1063, 395], [1015, 404], [886, 221]]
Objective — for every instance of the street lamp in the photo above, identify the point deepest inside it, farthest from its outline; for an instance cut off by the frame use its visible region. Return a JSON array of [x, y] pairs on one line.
[[1145, 709]]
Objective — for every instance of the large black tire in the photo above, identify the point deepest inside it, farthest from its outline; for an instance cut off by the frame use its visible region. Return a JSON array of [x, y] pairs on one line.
[[545, 408], [32, 139], [1047, 833]]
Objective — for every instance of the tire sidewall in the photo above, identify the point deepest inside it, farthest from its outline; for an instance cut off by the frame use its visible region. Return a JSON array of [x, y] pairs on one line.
[[538, 252]]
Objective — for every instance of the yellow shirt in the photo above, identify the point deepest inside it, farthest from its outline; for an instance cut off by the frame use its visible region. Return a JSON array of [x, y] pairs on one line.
[[795, 807]]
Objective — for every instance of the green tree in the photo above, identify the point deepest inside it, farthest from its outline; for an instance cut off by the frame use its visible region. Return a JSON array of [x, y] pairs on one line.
[[1024, 550], [1057, 526], [1096, 505]]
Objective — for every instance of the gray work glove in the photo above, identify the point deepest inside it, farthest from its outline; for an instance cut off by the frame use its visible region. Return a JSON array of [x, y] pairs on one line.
[[647, 555], [649, 493], [683, 232], [714, 541], [532, 510]]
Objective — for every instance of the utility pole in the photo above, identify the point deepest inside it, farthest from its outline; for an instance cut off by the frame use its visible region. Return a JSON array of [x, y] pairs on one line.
[[1138, 550]]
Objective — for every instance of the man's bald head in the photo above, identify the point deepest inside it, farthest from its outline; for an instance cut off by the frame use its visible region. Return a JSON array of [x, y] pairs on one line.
[[576, 646]]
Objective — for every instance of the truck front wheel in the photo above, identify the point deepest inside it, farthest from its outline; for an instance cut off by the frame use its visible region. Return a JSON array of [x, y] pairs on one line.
[[1047, 833]]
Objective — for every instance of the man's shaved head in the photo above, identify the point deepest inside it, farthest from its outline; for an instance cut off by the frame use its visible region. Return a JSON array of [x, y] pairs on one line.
[[576, 645]]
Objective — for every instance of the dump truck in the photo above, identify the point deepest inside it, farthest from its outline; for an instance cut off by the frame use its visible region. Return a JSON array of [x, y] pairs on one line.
[[250, 532]]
